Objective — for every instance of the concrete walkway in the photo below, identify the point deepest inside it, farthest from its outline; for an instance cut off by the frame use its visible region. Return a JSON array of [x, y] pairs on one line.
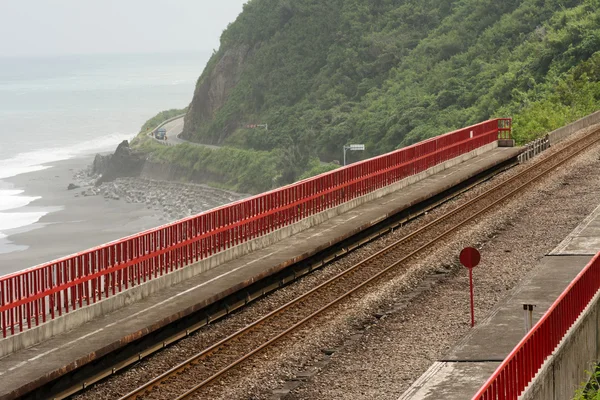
[[584, 240]]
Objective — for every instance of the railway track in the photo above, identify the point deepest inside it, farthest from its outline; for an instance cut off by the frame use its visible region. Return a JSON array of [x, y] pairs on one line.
[[79, 381], [191, 377]]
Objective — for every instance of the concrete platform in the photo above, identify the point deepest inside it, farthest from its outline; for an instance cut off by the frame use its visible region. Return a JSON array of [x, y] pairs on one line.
[[460, 374], [584, 240], [30, 368]]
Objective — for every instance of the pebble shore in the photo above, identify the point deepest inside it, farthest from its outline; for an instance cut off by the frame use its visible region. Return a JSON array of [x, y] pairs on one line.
[[171, 200]]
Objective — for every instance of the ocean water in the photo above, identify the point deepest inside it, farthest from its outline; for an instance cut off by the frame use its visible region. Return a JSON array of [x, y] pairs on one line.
[[56, 108]]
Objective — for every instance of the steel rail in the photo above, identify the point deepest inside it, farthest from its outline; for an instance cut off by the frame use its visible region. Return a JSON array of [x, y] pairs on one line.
[[359, 243], [196, 388], [210, 350]]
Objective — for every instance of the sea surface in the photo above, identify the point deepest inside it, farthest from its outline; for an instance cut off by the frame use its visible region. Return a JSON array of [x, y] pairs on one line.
[[56, 108]]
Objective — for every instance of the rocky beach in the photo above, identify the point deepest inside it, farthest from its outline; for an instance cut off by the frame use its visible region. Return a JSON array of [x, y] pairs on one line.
[[117, 177], [170, 200], [80, 211]]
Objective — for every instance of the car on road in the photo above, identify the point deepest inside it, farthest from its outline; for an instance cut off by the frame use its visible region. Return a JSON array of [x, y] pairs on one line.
[[161, 134]]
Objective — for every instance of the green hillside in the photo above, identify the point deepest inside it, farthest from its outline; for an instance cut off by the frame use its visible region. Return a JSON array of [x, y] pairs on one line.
[[388, 73]]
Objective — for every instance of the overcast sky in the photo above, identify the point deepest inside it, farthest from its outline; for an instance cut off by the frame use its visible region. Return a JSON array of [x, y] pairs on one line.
[[50, 27]]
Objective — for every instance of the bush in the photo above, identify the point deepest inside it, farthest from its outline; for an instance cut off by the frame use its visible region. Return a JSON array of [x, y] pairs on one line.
[[590, 390], [245, 171], [316, 167]]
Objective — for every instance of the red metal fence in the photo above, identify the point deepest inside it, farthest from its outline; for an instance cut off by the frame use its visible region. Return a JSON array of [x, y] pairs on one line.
[[524, 362], [32, 296]]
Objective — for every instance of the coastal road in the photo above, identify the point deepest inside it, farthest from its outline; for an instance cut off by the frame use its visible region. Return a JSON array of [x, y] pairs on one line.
[[175, 128]]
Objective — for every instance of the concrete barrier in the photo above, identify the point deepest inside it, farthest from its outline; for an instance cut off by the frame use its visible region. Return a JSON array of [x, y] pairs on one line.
[[578, 352], [78, 317], [562, 133]]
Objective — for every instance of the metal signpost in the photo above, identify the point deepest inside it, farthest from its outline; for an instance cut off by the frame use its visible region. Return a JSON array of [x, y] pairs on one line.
[[470, 257], [528, 309], [353, 147]]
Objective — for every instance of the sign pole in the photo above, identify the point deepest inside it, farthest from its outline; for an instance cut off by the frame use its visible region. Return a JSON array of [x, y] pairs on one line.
[[472, 301], [469, 257], [353, 147]]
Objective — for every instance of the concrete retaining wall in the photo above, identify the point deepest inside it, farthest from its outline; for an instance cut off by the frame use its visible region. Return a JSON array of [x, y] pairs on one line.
[[578, 352], [76, 318], [562, 133]]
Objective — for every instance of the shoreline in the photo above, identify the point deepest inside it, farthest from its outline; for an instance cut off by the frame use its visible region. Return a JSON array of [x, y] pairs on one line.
[[89, 216], [72, 223]]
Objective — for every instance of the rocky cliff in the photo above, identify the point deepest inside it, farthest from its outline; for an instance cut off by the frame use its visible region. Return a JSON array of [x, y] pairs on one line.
[[123, 163], [212, 91]]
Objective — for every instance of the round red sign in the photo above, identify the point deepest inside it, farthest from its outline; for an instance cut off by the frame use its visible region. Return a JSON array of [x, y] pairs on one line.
[[470, 257]]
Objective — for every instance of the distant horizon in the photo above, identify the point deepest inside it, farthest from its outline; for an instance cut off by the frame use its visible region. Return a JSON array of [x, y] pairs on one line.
[[73, 27], [140, 53]]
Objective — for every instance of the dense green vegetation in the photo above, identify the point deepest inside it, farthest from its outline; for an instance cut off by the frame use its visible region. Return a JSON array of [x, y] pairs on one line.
[[388, 73], [244, 171]]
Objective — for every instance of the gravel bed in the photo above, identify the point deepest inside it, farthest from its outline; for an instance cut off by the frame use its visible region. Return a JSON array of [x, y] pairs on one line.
[[398, 349], [393, 353], [284, 362]]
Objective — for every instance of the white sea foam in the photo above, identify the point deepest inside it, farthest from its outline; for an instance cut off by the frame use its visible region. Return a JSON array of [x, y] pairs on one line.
[[10, 199], [16, 220], [32, 161]]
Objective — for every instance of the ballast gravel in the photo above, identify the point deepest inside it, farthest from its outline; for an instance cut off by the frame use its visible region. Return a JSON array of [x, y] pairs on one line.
[[380, 358], [396, 350]]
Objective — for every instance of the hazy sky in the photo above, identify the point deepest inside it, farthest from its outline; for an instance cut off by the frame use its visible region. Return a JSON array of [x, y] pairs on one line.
[[42, 27]]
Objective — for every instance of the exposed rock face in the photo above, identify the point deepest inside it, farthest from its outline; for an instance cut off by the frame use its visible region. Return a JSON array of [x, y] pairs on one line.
[[212, 92], [100, 164], [124, 163]]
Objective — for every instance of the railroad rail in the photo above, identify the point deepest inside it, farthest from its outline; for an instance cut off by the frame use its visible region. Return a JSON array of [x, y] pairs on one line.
[[195, 374], [262, 288], [47, 292]]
